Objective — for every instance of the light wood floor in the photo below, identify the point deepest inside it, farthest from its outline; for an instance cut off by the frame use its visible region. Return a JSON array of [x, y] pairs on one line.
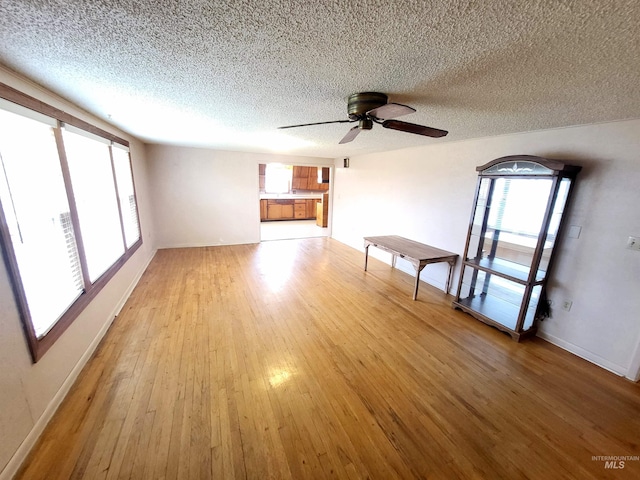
[[286, 360]]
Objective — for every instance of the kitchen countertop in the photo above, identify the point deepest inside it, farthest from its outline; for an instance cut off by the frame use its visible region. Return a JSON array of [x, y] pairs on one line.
[[290, 196]]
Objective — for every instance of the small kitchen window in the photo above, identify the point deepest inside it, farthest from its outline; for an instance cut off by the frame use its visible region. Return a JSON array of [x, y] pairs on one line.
[[278, 178]]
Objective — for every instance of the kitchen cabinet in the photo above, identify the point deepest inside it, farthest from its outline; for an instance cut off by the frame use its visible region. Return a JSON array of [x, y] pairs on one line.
[[311, 208], [280, 209], [300, 209], [515, 223], [274, 211], [322, 211], [263, 209], [288, 209], [306, 178], [300, 178]]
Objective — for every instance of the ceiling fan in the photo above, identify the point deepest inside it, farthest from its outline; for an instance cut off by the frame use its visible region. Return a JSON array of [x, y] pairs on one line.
[[368, 108]]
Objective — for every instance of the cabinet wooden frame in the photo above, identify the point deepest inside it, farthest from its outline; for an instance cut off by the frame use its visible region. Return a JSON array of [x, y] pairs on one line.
[[494, 311]]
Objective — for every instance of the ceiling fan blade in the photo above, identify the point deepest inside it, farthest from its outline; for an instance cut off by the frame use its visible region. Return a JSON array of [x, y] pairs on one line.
[[351, 134], [317, 123], [413, 128], [390, 110]]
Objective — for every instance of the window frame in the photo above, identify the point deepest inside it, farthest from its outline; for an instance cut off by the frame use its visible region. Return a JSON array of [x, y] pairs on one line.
[[39, 346]]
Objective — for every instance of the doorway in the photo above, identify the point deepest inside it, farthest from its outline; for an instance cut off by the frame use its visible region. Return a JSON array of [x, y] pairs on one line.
[[294, 201]]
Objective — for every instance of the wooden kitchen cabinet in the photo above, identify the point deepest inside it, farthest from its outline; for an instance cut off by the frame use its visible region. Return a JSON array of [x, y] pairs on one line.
[[288, 209], [300, 178], [274, 211], [263, 209], [280, 209], [300, 209], [306, 178], [311, 208], [322, 211]]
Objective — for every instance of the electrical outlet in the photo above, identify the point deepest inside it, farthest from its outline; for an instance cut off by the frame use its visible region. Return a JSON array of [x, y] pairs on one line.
[[566, 305], [633, 243]]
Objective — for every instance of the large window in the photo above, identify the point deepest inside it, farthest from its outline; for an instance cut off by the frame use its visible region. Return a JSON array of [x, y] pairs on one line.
[[94, 191], [68, 211], [36, 211], [126, 194]]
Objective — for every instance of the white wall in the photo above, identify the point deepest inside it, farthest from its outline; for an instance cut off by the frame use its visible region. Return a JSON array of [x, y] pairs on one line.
[[426, 194], [207, 197], [30, 393]]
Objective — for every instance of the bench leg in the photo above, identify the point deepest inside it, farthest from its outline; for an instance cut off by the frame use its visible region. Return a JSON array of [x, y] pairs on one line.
[[415, 288], [446, 288], [366, 257]]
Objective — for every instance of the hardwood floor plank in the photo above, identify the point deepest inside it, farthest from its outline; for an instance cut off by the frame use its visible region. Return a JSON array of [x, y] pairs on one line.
[[286, 360]]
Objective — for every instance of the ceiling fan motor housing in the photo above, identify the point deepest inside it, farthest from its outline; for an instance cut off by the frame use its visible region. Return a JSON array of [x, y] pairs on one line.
[[360, 103]]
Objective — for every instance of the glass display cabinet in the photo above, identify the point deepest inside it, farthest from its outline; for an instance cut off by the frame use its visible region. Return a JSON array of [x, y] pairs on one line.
[[515, 222]]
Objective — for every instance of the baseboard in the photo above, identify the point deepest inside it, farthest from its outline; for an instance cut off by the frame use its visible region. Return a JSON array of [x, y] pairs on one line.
[[633, 372], [582, 353], [246, 241], [30, 440]]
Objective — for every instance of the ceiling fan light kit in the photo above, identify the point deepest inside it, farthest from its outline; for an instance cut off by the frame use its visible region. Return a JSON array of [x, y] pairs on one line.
[[368, 108]]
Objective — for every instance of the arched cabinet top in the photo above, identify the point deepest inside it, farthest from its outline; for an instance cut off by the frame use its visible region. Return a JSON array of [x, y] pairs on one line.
[[527, 165]]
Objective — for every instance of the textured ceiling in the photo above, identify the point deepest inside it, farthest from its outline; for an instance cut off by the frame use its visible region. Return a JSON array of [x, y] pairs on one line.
[[224, 74]]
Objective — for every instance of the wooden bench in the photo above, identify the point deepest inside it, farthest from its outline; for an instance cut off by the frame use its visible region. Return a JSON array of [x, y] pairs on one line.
[[418, 254]]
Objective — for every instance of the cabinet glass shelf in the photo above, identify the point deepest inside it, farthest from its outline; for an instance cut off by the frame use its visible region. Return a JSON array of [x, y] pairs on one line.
[[498, 298], [505, 268]]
